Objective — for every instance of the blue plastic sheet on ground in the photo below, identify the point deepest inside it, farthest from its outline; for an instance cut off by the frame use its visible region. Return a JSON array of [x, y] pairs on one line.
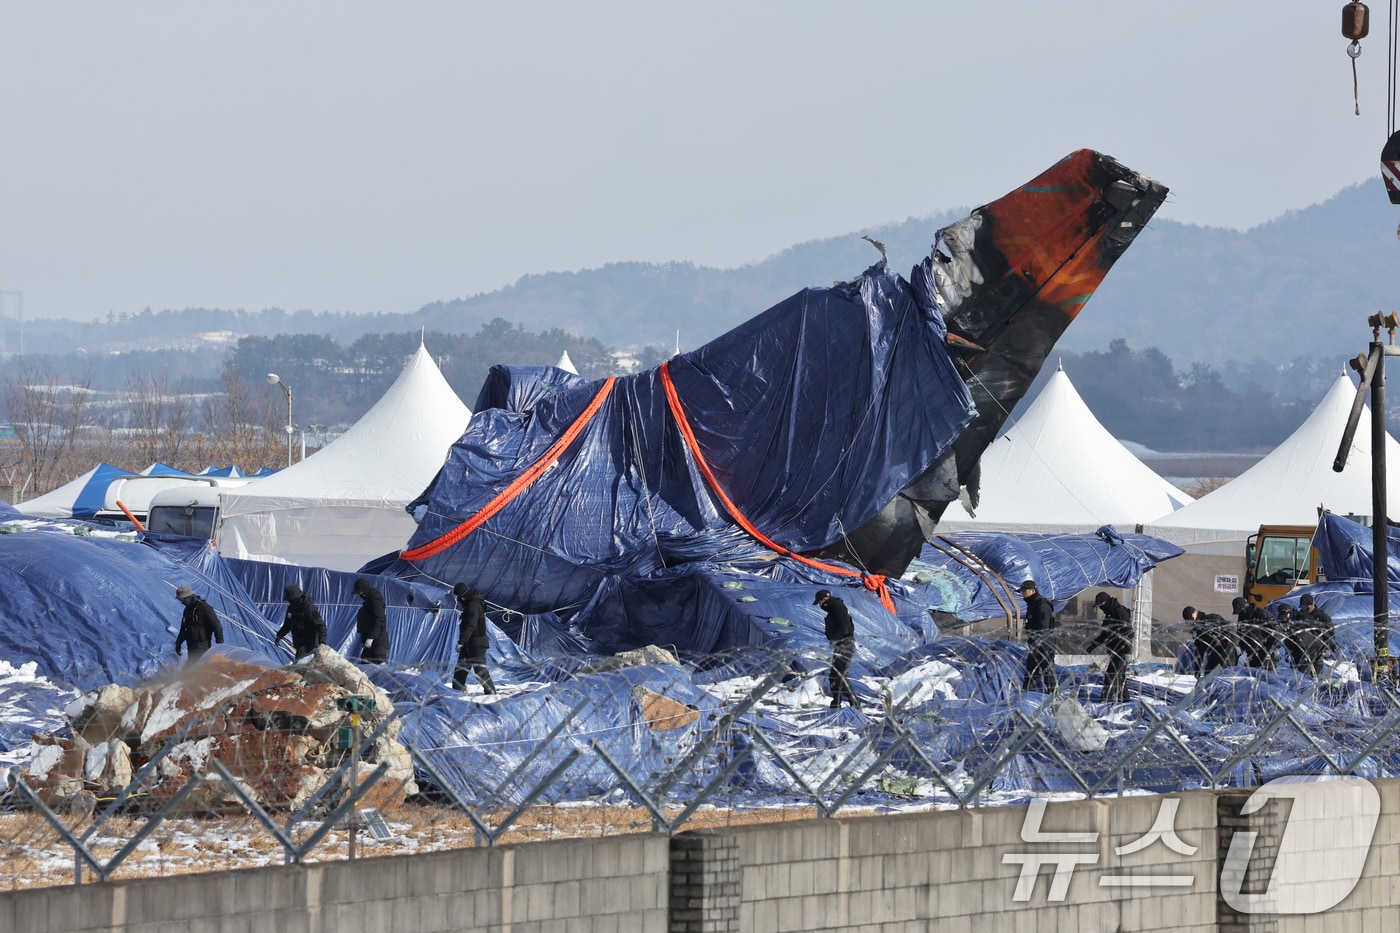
[[92, 610], [477, 745], [28, 706], [88, 610]]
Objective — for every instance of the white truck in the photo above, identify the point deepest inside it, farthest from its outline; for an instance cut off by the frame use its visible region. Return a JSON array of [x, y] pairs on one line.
[[184, 505]]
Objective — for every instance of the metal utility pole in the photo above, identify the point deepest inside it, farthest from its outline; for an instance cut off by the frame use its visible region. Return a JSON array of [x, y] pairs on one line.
[[277, 380], [1371, 366]]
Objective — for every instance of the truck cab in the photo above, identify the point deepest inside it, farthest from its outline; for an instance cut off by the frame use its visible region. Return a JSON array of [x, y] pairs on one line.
[[1279, 558]]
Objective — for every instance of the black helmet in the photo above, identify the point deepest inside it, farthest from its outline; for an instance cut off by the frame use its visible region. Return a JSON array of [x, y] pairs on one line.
[[821, 594], [1239, 604], [1102, 599], [291, 592], [1305, 600], [1188, 613], [1026, 585], [362, 586], [462, 591]]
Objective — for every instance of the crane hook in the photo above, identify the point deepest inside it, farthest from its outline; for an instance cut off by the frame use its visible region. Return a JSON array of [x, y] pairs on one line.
[[1356, 25]]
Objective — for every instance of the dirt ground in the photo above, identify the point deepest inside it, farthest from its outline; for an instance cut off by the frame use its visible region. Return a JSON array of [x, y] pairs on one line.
[[34, 854]]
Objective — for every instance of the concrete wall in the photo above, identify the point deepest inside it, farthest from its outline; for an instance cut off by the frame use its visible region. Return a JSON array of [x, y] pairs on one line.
[[959, 871], [1375, 903], [948, 871], [614, 885]]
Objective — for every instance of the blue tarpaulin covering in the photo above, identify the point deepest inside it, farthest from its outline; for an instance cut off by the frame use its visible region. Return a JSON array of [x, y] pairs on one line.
[[623, 528], [1062, 565], [679, 507], [92, 610], [1345, 549], [422, 619]]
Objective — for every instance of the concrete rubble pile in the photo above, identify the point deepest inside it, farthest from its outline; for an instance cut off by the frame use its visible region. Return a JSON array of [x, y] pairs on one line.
[[276, 730]]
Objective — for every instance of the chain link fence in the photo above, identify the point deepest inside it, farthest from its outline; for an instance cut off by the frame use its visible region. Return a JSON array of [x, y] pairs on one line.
[[654, 748]]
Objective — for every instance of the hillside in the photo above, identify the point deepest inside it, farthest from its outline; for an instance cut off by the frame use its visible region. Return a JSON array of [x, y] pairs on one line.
[[1243, 302], [1199, 338], [1298, 286]]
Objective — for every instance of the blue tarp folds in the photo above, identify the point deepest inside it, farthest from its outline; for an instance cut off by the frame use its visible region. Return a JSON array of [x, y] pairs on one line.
[[1345, 550], [1346, 547], [93, 610], [1061, 564], [422, 619], [812, 416]]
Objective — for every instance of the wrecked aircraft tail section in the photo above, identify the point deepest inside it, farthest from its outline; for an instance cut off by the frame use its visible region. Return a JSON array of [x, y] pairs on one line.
[[615, 505], [1009, 279]]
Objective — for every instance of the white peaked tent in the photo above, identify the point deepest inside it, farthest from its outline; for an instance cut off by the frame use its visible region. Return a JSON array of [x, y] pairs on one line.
[[1059, 470], [1284, 488], [1288, 485], [566, 364], [344, 505], [84, 495]]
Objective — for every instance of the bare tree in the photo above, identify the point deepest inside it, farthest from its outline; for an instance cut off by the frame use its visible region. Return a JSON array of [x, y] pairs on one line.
[[1204, 485], [14, 471], [159, 419], [241, 425], [48, 415]]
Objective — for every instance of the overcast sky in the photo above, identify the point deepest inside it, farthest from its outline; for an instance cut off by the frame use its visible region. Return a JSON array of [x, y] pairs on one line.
[[373, 156]]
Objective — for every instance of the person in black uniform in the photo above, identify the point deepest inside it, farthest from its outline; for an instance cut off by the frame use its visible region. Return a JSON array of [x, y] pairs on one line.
[[841, 633], [1116, 637], [473, 640], [1259, 634], [1304, 654], [1309, 637], [198, 624], [1040, 625], [1320, 622], [1212, 639], [371, 624], [303, 621]]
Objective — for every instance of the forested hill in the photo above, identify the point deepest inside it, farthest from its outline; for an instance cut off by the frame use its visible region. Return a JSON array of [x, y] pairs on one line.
[[1199, 337], [1246, 303], [1250, 304]]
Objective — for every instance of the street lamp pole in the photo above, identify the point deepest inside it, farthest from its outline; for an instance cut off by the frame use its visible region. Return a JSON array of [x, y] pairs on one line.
[[276, 380]]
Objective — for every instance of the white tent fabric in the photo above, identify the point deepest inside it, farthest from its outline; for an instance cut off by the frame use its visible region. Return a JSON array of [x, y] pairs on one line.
[[566, 364], [1288, 485], [1058, 469], [344, 505], [60, 502]]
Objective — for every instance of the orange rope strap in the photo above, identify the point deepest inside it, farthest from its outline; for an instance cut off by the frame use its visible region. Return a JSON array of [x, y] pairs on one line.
[[873, 581], [519, 484]]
